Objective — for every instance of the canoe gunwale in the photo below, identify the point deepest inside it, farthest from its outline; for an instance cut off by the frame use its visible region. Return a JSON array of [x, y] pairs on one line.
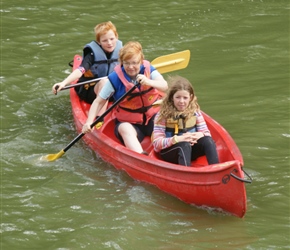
[[222, 185]]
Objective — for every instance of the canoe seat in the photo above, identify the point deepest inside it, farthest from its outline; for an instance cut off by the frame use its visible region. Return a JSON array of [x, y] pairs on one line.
[[108, 129], [200, 162], [153, 154], [146, 144], [85, 107]]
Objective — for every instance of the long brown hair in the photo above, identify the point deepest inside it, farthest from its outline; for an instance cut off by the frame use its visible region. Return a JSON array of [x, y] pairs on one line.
[[167, 109]]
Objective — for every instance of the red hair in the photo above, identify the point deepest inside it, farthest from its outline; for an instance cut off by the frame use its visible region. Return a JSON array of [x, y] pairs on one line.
[[104, 28]]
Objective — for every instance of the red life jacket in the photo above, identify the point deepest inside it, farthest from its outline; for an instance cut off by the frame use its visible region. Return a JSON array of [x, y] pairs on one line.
[[137, 107]]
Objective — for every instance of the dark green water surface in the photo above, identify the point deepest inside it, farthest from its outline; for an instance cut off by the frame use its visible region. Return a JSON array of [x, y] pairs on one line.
[[240, 70]]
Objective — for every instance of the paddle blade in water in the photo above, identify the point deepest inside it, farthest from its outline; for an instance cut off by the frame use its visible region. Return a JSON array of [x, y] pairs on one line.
[[53, 157]]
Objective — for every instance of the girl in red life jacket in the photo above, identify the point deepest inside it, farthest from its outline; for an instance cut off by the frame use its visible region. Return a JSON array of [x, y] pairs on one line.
[[135, 114]]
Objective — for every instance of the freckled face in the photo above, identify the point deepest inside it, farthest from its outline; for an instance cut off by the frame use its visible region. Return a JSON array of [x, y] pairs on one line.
[[181, 100], [108, 41], [132, 66]]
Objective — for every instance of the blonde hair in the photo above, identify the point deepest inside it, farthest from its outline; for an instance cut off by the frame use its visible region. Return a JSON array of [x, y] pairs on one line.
[[129, 50], [104, 28], [167, 109]]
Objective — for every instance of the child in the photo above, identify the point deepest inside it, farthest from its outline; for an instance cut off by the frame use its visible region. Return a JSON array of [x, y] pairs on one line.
[[180, 134], [99, 59], [135, 114]]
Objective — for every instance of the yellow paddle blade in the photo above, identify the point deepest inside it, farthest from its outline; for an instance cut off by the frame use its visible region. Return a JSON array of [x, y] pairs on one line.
[[53, 157], [172, 62], [157, 103]]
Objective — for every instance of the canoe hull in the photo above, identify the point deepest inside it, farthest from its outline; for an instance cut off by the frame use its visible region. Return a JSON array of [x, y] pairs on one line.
[[203, 185]]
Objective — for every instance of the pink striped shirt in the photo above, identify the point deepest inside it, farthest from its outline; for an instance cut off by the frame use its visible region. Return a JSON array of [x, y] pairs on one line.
[[159, 139], [82, 69]]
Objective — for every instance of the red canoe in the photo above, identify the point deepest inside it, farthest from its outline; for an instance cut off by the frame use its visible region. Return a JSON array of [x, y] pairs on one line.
[[219, 187]]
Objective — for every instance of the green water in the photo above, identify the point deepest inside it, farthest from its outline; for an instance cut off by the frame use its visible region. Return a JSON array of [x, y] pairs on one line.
[[240, 70]]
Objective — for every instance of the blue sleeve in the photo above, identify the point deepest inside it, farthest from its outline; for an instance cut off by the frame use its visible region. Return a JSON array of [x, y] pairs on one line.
[[107, 91]]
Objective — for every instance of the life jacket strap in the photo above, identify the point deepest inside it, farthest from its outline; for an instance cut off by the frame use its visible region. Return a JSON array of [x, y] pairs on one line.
[[107, 61], [132, 95], [140, 110]]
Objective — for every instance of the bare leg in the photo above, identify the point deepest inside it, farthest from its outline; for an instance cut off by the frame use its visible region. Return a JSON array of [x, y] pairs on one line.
[[129, 135], [97, 90]]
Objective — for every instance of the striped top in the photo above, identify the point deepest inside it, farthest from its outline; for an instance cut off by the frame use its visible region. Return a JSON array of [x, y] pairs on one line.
[[159, 139]]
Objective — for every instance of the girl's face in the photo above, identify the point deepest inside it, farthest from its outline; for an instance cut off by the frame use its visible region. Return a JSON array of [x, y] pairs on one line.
[[108, 41], [181, 99], [132, 66]]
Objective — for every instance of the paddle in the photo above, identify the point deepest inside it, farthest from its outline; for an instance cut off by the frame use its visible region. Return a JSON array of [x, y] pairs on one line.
[[172, 62], [83, 83], [52, 157], [167, 63], [176, 61]]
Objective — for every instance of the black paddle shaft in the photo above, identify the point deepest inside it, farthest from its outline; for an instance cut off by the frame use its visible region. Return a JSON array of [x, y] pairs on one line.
[[79, 84], [102, 116], [83, 83]]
